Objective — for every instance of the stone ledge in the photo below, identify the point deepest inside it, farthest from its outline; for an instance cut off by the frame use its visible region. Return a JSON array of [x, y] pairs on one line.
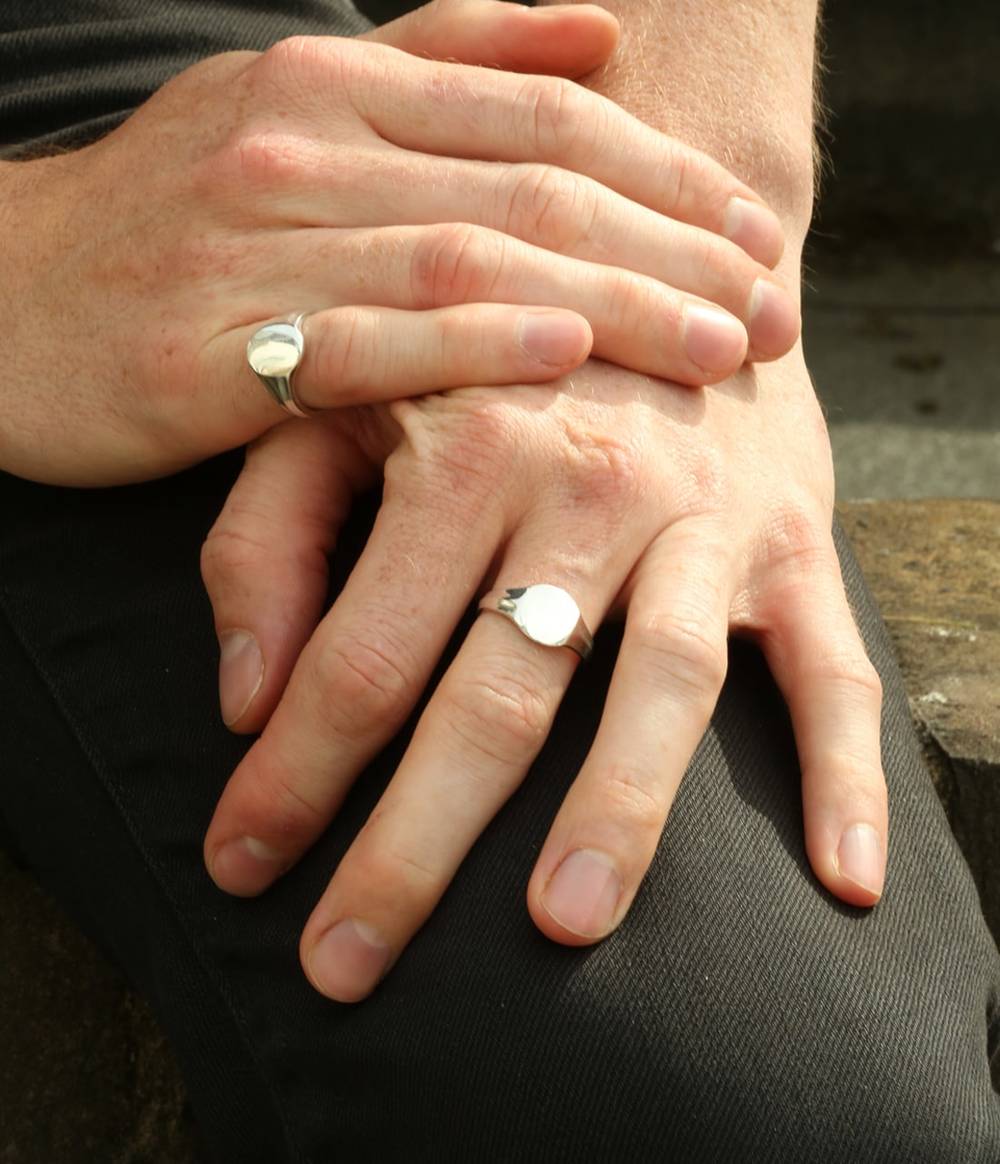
[[934, 568]]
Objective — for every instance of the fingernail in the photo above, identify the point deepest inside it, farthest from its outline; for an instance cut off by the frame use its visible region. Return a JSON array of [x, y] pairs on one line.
[[553, 337], [859, 857], [774, 318], [755, 228], [241, 669], [245, 865], [347, 962], [714, 340], [583, 893]]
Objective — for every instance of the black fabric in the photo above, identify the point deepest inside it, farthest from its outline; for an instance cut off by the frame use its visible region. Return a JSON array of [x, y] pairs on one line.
[[71, 70], [740, 1012]]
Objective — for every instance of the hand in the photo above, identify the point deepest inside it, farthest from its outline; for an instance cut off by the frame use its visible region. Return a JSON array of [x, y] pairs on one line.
[[255, 184], [694, 514]]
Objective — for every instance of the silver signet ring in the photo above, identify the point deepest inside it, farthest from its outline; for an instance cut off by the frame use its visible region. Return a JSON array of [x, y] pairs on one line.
[[544, 613], [273, 353]]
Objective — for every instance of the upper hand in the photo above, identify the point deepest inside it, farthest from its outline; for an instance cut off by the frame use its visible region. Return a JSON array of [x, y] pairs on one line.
[[367, 185], [695, 514]]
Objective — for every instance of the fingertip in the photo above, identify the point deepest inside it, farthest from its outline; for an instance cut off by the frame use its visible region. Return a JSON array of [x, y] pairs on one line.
[[756, 228], [775, 320], [243, 866], [241, 673], [860, 862], [577, 39], [555, 339], [714, 341]]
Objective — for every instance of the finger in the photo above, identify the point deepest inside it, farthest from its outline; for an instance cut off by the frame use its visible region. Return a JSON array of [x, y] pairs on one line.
[[552, 208], [637, 322], [264, 561], [356, 680], [568, 40], [369, 355], [464, 111], [834, 695], [666, 683], [479, 734]]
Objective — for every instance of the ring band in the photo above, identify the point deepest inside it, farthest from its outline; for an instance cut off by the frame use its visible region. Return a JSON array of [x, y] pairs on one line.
[[273, 353], [545, 614]]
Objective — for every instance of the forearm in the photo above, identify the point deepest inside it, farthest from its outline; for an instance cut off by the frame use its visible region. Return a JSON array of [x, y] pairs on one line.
[[735, 80]]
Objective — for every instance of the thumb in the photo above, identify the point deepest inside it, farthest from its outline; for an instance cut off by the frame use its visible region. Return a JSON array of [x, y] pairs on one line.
[[567, 40]]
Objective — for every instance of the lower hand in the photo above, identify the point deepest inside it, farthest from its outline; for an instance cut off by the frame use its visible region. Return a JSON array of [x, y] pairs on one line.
[[694, 515]]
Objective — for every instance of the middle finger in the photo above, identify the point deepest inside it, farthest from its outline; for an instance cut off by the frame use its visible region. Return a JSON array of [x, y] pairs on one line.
[[483, 727]]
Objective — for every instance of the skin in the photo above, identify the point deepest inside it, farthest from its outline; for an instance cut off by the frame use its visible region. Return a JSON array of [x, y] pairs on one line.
[[693, 515], [416, 208]]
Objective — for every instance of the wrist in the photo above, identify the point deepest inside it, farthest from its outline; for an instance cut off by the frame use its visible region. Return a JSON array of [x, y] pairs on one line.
[[738, 87]]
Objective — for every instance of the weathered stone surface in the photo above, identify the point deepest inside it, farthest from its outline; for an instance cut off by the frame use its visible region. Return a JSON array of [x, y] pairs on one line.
[[86, 1076], [934, 568]]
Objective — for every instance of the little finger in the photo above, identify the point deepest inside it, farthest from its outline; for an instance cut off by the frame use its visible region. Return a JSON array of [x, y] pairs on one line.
[[835, 697]]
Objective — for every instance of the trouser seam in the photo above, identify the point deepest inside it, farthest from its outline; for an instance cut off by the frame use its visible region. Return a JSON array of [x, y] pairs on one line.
[[95, 762]]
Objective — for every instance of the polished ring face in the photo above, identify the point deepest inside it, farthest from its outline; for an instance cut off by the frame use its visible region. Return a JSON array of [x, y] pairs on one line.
[[546, 614], [275, 349], [273, 353]]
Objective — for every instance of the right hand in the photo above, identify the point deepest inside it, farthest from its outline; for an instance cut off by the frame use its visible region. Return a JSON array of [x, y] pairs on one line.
[[254, 184]]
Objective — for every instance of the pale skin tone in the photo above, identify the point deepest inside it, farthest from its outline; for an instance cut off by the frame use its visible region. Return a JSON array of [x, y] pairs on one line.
[[360, 194], [691, 512], [692, 515]]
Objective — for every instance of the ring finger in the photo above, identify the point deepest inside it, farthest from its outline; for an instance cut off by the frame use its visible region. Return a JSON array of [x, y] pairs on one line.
[[372, 355], [483, 727]]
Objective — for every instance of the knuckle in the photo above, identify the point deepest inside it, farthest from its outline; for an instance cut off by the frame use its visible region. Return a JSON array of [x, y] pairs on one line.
[[704, 485], [722, 269], [262, 159], [606, 473], [630, 798], [349, 349], [362, 683], [298, 62], [451, 264], [287, 815], [391, 877], [795, 540], [851, 671], [683, 654], [635, 305], [553, 206], [253, 159], [460, 456], [227, 552], [500, 715], [560, 112], [693, 181]]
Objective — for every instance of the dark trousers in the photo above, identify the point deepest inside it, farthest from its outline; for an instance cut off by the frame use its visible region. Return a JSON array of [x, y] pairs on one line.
[[740, 1012]]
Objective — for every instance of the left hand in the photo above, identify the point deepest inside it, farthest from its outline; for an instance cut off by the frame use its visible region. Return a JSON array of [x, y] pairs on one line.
[[696, 514]]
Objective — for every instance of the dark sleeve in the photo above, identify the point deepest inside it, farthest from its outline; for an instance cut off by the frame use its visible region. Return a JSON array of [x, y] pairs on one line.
[[71, 70]]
